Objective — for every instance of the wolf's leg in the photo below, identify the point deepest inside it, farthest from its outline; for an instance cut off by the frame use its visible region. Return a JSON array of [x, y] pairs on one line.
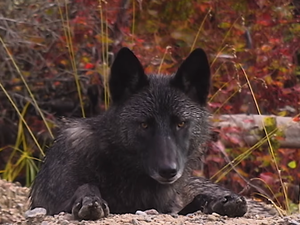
[[209, 197], [87, 203]]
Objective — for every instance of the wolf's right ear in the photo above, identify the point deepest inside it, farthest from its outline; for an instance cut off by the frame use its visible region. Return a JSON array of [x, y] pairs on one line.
[[193, 76], [126, 75]]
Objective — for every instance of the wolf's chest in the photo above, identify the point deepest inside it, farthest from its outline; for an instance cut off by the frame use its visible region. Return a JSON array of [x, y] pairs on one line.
[[141, 196]]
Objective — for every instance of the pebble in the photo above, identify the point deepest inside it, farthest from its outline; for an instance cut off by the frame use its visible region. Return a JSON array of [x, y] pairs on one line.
[[44, 223], [141, 213], [212, 217], [19, 206], [37, 212], [64, 222], [151, 212], [292, 222], [174, 215], [135, 222]]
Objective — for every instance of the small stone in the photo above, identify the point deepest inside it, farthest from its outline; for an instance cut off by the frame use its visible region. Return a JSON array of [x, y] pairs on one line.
[[67, 216], [151, 212], [148, 219], [141, 213], [145, 218], [37, 212], [135, 222], [212, 217], [174, 215], [190, 215], [19, 206], [64, 222], [293, 222]]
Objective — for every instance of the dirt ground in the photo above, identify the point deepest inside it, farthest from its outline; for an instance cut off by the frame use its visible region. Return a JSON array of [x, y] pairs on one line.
[[14, 206]]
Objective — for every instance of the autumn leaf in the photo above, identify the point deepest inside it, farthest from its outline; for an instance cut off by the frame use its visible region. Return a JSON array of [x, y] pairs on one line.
[[292, 164]]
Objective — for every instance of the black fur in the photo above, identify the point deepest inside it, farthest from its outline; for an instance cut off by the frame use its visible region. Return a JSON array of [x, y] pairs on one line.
[[139, 154]]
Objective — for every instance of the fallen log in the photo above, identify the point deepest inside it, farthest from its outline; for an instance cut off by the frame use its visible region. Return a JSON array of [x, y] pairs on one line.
[[247, 130]]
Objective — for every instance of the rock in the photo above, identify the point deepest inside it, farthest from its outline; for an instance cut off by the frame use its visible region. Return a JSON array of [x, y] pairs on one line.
[[44, 223], [37, 212], [135, 222], [141, 213], [151, 212], [212, 217]]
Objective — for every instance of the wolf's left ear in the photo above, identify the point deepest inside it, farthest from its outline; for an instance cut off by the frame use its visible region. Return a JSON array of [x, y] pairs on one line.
[[193, 76]]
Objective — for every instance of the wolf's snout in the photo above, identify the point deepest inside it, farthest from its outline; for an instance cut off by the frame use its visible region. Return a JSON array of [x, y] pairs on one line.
[[169, 171]]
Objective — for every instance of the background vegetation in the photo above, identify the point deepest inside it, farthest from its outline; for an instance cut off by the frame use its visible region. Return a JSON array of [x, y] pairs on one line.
[[55, 57]]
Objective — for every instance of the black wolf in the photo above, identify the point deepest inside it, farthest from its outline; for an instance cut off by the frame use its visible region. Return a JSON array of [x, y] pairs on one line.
[[140, 154]]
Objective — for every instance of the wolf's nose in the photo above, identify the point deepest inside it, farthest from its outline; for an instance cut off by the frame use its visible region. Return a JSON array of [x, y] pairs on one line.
[[168, 172]]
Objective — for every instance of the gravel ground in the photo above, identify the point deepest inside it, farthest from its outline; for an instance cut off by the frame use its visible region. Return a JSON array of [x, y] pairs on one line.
[[14, 204]]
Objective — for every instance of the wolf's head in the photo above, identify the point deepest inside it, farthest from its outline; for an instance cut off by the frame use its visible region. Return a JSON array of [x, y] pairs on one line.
[[162, 119]]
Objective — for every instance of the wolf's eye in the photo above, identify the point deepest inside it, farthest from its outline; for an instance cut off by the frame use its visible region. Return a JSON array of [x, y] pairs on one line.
[[144, 125], [180, 124]]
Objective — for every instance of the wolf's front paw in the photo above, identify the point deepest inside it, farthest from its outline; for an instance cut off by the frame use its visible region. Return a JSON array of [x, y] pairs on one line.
[[90, 208], [230, 205]]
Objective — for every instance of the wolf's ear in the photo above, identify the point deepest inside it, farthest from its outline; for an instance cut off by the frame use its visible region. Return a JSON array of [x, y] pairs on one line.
[[127, 75], [193, 76]]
